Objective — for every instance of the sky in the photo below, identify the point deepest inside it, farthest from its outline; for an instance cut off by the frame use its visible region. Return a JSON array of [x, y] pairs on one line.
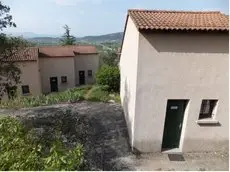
[[92, 17]]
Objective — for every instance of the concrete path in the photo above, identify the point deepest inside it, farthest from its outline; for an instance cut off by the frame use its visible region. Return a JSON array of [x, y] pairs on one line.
[[193, 162]]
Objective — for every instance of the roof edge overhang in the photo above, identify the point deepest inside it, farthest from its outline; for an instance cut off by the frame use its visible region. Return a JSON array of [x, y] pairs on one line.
[[46, 56], [183, 30], [55, 56], [123, 37], [14, 61], [77, 53]]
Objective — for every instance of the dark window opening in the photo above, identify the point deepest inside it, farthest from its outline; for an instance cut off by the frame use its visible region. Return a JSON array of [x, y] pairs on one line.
[[25, 89], [207, 108], [64, 79], [90, 72]]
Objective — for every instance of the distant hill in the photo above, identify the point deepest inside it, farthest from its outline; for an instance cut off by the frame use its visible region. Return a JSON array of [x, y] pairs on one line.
[[113, 37], [44, 40], [28, 35]]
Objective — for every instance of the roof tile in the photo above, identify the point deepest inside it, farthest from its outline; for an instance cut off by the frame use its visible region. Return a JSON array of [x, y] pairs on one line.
[[179, 20], [66, 51], [32, 53], [27, 54]]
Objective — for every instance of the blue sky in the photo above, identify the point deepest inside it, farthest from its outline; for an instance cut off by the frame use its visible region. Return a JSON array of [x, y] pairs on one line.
[[92, 17]]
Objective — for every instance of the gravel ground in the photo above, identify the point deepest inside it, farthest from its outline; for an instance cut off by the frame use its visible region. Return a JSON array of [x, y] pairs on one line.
[[101, 128]]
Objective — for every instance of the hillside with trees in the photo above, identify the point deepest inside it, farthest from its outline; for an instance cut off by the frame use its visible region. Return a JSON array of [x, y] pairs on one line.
[[108, 39]]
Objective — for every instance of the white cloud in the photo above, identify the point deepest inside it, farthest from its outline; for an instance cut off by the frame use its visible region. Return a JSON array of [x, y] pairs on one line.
[[75, 2]]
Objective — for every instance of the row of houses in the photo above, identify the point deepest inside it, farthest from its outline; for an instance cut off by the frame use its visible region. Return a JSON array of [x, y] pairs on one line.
[[56, 68]]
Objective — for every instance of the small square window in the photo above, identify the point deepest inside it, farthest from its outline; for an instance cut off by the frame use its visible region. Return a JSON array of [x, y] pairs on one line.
[[64, 79], [25, 89], [90, 73], [207, 109]]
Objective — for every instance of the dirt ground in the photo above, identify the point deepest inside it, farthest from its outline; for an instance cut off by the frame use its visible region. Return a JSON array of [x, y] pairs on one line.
[[101, 128]]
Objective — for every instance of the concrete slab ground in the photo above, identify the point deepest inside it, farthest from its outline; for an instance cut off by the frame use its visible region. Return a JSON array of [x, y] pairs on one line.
[[212, 161]]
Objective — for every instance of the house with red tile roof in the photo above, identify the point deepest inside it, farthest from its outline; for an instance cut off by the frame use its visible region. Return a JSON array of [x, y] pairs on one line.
[[174, 80], [55, 68]]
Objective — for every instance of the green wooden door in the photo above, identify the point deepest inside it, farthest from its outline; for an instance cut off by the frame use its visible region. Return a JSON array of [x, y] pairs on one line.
[[173, 123]]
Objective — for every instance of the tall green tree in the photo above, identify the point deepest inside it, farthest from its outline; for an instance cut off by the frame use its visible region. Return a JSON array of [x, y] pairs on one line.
[[9, 47], [67, 39]]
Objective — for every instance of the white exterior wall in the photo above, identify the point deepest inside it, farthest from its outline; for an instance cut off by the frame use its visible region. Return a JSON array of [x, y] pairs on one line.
[[85, 63], [57, 67], [128, 72], [30, 75], [180, 66]]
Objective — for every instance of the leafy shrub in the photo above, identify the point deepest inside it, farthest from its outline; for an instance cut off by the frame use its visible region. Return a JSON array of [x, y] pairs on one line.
[[60, 159], [109, 76], [18, 151]]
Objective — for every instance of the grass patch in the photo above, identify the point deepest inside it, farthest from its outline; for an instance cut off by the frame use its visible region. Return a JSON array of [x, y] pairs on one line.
[[88, 92], [97, 94]]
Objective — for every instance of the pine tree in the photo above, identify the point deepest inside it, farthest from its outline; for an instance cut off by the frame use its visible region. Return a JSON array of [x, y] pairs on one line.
[[67, 39]]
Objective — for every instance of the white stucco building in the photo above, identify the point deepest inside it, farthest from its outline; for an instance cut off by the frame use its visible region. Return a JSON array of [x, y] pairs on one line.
[[174, 80], [55, 68]]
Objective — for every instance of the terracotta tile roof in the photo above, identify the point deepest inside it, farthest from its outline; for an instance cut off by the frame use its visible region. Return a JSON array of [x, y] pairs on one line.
[[65, 51], [179, 20], [28, 54]]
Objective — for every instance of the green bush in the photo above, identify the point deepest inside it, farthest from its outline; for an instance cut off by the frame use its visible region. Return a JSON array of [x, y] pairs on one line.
[[109, 76], [18, 151]]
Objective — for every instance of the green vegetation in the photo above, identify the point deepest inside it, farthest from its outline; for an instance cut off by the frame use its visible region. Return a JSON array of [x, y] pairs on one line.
[[91, 93], [22, 152], [109, 58], [109, 76], [102, 42], [9, 47], [67, 39], [98, 93], [112, 37]]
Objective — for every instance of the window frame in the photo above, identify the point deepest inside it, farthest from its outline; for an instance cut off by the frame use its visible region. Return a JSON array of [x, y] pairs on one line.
[[211, 109], [90, 73], [27, 93], [64, 79], [211, 119]]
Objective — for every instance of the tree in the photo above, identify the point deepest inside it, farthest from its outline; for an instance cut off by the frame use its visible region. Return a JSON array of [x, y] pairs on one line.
[[67, 39], [9, 47], [109, 57], [5, 18]]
